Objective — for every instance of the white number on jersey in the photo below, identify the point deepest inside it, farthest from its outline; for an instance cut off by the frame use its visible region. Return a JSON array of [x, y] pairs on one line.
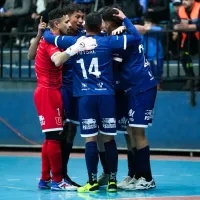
[[141, 50], [93, 69]]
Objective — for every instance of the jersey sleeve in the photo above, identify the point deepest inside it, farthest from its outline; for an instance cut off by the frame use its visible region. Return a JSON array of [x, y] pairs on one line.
[[62, 42], [131, 29], [122, 42], [52, 50]]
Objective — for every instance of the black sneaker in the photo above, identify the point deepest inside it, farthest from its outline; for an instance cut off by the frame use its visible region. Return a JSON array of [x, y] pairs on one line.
[[71, 182]]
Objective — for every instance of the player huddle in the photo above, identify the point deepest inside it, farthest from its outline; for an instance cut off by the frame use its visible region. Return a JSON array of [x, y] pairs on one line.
[[102, 82]]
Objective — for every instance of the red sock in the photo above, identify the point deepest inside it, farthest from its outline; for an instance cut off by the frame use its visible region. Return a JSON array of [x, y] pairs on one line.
[[45, 162], [55, 158]]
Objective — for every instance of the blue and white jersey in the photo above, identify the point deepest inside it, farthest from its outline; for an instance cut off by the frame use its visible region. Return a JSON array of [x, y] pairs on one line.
[[92, 72], [67, 67], [136, 72], [117, 70]]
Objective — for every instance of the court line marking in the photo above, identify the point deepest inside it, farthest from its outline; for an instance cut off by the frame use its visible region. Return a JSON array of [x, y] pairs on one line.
[[16, 188], [161, 198], [13, 179]]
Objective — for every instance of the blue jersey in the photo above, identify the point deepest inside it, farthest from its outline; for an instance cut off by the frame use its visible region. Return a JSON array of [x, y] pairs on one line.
[[136, 71], [67, 67], [117, 70], [93, 73]]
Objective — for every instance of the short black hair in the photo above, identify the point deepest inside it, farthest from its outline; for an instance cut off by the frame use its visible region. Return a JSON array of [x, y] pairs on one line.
[[93, 22], [107, 15], [55, 14], [72, 8]]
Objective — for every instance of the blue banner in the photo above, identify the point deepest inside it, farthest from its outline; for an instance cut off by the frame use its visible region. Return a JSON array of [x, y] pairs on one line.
[[176, 123]]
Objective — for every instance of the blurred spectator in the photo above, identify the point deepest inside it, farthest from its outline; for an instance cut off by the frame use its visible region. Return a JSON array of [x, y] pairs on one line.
[[39, 8], [88, 5], [174, 19], [2, 3], [14, 11], [153, 48], [158, 10], [143, 3], [189, 14], [132, 8]]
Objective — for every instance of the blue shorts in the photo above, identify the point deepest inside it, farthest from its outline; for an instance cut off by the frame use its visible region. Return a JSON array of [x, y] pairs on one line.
[[140, 108], [97, 114], [121, 112], [70, 105]]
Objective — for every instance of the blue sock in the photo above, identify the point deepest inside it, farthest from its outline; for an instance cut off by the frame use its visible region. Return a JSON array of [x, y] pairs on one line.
[[131, 157], [102, 156], [92, 158], [111, 158], [143, 163]]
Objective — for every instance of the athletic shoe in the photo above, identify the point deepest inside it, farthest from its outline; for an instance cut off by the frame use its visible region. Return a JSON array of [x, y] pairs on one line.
[[68, 179], [63, 185], [128, 180], [112, 187], [89, 188], [141, 184], [103, 179], [44, 185]]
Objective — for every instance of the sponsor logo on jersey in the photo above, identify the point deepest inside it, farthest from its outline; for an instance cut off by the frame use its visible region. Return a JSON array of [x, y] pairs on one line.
[[88, 124], [58, 120], [123, 122], [42, 120], [148, 115], [109, 122]]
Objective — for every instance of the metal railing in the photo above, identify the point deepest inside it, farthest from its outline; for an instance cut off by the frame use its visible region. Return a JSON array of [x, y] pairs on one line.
[[15, 65]]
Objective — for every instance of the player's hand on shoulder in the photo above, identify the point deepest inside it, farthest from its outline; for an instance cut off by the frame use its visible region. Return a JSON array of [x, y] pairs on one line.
[[119, 30], [120, 14], [86, 43]]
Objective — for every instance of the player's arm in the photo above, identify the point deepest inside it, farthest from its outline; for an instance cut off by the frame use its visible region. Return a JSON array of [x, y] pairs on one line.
[[63, 42], [34, 45], [141, 29], [82, 44], [128, 24]]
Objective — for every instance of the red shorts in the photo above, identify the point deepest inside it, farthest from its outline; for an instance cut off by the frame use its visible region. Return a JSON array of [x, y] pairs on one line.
[[48, 103]]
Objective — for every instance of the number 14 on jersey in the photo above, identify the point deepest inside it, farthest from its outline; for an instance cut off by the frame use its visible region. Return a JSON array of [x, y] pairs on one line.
[[93, 69]]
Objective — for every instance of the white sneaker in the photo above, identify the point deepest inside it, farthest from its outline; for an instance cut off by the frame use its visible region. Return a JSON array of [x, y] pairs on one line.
[[103, 179], [126, 182], [141, 184], [63, 185]]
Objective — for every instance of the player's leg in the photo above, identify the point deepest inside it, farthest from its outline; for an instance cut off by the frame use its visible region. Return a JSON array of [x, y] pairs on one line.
[[89, 130], [122, 123], [104, 177], [49, 105], [45, 180], [108, 130], [140, 116], [68, 134], [131, 159]]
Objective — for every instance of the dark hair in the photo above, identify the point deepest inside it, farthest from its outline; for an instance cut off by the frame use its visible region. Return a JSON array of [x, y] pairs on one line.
[[107, 16], [72, 8], [93, 22], [54, 15]]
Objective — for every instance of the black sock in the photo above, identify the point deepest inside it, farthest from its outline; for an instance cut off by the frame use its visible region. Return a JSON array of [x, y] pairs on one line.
[[102, 156], [131, 157], [111, 158], [66, 149], [143, 163]]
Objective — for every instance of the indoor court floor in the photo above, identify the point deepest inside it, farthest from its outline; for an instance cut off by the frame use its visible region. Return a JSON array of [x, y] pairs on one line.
[[177, 178]]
